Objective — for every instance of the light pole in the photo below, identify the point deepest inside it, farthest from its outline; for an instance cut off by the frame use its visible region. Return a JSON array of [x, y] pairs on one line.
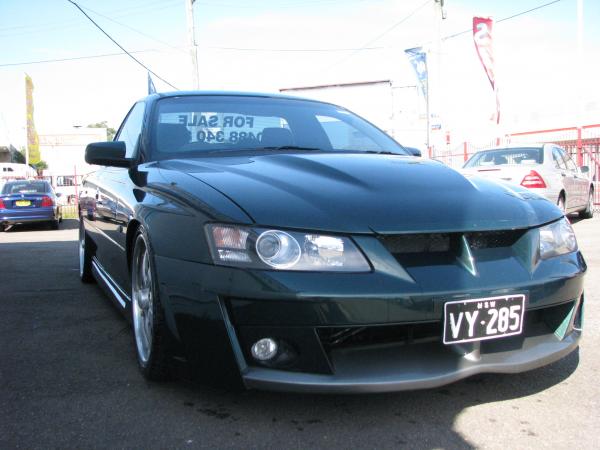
[[189, 9]]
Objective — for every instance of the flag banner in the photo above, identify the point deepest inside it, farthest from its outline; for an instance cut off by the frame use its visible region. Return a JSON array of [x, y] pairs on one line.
[[151, 88], [418, 59], [33, 142], [482, 37]]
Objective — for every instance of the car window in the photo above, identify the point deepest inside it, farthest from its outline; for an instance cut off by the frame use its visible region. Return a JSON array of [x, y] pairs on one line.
[[569, 161], [506, 156], [25, 187], [193, 125], [131, 129], [557, 156]]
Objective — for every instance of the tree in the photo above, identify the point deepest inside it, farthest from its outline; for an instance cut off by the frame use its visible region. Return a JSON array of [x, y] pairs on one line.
[[40, 166], [110, 132]]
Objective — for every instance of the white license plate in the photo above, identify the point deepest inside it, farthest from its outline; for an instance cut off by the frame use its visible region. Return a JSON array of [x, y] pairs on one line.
[[483, 318]]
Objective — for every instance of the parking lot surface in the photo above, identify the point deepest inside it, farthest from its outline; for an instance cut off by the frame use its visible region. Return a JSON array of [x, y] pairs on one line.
[[68, 379]]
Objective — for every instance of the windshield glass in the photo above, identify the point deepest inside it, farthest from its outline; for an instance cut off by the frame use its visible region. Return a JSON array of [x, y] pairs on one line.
[[25, 187], [192, 126], [507, 156]]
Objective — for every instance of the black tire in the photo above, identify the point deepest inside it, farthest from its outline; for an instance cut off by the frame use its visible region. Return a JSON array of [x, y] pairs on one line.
[[562, 203], [588, 212], [85, 256], [153, 358], [55, 224]]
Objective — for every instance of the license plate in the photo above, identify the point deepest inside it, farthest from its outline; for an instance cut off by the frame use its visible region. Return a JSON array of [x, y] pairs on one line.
[[23, 203], [483, 318]]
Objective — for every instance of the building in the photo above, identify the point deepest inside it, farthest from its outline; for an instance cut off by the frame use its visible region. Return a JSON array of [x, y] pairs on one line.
[[9, 154]]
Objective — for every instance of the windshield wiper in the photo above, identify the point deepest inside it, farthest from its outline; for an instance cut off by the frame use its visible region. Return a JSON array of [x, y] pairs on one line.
[[381, 152], [289, 147]]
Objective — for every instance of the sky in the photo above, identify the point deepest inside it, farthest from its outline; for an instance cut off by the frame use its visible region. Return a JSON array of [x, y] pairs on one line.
[[268, 45]]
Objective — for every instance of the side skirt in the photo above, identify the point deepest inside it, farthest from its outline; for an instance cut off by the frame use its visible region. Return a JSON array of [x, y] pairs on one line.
[[110, 286]]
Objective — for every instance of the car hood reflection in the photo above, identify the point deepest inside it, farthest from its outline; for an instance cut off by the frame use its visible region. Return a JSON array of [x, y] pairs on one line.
[[365, 193]]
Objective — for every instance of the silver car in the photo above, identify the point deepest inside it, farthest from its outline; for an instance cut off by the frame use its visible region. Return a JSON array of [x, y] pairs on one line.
[[544, 168]]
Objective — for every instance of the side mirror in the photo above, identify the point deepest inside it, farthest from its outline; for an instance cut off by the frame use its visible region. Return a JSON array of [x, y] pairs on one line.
[[584, 169], [58, 194], [413, 151], [107, 154]]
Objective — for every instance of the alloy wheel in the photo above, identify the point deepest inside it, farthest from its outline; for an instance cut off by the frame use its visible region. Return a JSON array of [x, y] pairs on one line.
[[142, 299], [81, 254]]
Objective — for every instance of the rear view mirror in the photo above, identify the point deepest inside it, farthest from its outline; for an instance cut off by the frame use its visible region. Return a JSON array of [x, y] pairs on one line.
[[107, 154], [584, 169], [413, 151], [58, 194]]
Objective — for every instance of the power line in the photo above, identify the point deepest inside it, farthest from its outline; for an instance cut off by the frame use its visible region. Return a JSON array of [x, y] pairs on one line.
[[132, 29], [379, 36], [238, 49], [504, 19], [75, 58], [249, 49], [120, 46], [300, 50]]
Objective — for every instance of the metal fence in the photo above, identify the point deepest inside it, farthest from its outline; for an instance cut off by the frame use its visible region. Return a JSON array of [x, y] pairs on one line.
[[583, 143]]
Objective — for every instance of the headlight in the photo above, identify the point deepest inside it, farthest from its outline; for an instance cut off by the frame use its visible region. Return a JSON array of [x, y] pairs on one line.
[[260, 248], [556, 239]]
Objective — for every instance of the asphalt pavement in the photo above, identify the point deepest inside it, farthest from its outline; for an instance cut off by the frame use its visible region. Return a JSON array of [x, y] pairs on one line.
[[68, 379]]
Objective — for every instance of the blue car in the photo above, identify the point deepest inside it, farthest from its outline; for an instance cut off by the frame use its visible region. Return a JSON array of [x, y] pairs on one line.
[[26, 201]]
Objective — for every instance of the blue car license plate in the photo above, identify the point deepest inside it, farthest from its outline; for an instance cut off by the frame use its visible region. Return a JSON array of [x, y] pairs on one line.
[[483, 318]]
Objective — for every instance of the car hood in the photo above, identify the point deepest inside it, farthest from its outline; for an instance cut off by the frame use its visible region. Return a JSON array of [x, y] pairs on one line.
[[364, 193]]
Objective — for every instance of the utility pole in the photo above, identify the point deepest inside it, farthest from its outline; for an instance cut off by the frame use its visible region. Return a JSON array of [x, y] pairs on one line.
[[435, 82], [189, 9], [580, 71]]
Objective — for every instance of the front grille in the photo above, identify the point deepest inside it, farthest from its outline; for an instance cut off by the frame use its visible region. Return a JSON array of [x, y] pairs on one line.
[[404, 244], [493, 239], [537, 322], [339, 337]]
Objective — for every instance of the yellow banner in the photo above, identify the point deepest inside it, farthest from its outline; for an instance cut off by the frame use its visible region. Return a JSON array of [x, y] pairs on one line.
[[33, 142]]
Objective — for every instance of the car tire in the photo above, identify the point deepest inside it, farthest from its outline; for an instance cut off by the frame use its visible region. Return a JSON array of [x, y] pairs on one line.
[[562, 204], [149, 327], [85, 257], [588, 212], [55, 224]]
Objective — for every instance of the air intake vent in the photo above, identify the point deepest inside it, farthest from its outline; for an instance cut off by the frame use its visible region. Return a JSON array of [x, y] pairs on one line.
[[493, 239], [406, 244]]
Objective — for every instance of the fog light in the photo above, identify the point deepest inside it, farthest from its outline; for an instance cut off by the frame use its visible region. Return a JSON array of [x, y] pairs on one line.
[[264, 349]]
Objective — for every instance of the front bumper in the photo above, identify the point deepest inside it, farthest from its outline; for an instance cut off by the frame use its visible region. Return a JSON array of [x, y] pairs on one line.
[[212, 306], [397, 369]]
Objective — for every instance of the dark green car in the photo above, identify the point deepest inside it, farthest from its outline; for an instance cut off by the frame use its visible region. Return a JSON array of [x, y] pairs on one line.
[[287, 244]]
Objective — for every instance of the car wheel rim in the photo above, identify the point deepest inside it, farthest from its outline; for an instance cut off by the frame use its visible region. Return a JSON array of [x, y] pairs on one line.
[[142, 302], [81, 255]]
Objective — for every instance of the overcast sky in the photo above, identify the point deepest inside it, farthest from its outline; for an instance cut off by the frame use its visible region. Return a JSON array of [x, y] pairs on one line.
[[267, 45]]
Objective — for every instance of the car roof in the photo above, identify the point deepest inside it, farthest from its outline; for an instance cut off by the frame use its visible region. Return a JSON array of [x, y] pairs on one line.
[[173, 94], [513, 146]]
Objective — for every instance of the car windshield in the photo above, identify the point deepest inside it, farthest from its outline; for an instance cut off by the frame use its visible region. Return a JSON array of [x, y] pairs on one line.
[[25, 187], [190, 126], [507, 156]]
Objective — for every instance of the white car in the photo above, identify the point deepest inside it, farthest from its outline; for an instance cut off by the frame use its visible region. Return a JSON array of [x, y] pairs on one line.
[[546, 169]]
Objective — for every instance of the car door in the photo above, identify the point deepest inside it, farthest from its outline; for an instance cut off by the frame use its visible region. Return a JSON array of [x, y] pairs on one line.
[[568, 178], [581, 182], [115, 185]]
